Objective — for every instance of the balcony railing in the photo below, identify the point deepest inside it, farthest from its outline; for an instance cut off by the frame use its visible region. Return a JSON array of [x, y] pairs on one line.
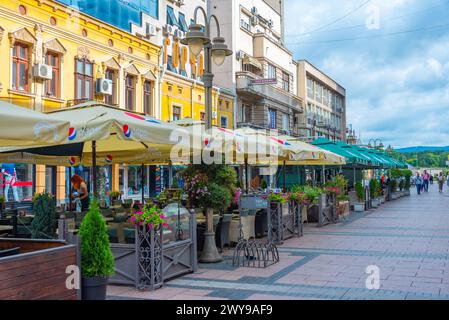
[[294, 132], [267, 91]]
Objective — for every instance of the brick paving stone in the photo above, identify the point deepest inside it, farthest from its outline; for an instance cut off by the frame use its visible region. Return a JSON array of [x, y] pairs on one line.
[[408, 239]]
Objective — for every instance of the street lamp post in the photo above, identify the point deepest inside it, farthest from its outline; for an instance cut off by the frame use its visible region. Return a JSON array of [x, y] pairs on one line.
[[199, 38], [375, 145]]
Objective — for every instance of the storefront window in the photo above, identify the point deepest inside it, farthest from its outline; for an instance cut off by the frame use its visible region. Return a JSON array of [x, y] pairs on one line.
[[17, 182]]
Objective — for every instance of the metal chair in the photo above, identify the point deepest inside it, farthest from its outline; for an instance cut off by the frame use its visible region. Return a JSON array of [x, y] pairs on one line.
[[222, 231]]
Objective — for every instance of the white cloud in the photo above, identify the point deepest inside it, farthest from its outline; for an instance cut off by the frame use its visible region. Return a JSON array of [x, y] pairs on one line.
[[398, 87]]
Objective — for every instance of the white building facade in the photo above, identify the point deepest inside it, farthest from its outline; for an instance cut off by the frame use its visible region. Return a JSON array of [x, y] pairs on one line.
[[262, 72]]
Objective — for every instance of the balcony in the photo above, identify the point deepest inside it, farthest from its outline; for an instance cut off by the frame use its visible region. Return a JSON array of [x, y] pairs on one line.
[[292, 133], [245, 86]]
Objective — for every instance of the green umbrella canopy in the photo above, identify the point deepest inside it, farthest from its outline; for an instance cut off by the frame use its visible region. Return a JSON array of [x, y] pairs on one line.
[[392, 163], [352, 158]]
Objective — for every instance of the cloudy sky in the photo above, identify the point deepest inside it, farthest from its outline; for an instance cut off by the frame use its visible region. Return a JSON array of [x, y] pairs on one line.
[[396, 75]]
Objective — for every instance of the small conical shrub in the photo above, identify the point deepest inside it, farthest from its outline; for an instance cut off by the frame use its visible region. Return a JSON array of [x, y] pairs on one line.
[[44, 222], [96, 256]]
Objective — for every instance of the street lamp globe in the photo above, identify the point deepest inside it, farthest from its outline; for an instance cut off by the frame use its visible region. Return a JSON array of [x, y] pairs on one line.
[[196, 39], [381, 145], [220, 51]]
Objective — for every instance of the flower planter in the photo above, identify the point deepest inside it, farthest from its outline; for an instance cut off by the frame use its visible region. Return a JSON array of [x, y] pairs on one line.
[[374, 203], [359, 207], [343, 208], [149, 250], [94, 288], [312, 213]]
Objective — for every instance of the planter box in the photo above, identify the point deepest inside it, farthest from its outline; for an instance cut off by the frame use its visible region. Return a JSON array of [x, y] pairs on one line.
[[343, 208], [38, 272], [359, 207], [374, 203]]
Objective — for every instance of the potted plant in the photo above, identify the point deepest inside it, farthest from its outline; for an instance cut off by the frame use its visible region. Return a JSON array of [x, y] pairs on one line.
[[360, 191], [97, 261], [373, 193], [45, 217], [393, 189]]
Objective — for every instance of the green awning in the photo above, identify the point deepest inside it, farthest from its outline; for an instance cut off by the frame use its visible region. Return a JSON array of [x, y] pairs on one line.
[[353, 158]]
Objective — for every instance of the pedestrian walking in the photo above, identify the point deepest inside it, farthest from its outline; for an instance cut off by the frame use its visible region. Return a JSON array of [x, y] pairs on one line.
[[441, 180], [419, 182], [426, 179], [431, 179]]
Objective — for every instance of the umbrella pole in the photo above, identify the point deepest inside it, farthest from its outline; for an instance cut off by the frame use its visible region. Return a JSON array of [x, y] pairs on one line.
[[246, 176], [284, 177], [94, 168], [323, 178], [143, 184], [70, 189]]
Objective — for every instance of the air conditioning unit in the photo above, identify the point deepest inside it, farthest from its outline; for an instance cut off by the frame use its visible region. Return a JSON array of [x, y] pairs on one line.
[[43, 71], [179, 34], [104, 86], [254, 21], [168, 29], [214, 115], [151, 30]]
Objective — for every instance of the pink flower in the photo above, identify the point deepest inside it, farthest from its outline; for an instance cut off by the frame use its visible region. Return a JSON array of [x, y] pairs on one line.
[[150, 225], [139, 213], [165, 225], [163, 217]]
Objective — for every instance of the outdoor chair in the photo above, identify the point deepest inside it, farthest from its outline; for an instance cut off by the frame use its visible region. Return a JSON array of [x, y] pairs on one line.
[[222, 231], [107, 213], [352, 199], [127, 203], [112, 232], [261, 223], [130, 235]]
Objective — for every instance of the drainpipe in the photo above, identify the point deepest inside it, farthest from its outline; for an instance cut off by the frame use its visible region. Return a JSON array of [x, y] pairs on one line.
[[158, 113]]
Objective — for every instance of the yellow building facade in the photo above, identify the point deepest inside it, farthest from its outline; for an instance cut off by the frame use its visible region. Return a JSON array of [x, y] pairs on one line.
[[183, 94], [38, 37]]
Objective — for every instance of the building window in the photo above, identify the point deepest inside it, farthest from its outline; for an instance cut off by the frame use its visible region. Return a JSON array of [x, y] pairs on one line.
[[130, 89], [111, 75], [52, 86], [176, 114], [310, 88], [245, 22], [147, 97], [224, 122], [84, 80], [227, 105], [171, 18], [170, 66], [20, 67], [246, 113], [272, 119], [182, 22], [271, 72], [318, 93], [285, 122], [286, 81]]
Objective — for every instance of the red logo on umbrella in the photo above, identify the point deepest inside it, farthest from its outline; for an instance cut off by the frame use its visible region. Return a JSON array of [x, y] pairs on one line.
[[127, 131]]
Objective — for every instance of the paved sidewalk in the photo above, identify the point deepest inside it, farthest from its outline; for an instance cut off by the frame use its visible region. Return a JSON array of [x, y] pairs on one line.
[[408, 239]]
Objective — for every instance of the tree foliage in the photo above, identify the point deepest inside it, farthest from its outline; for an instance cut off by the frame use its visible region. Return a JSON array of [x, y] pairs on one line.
[[45, 218]]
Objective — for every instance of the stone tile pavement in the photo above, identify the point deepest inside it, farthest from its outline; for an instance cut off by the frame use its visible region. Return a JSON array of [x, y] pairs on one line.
[[408, 239]]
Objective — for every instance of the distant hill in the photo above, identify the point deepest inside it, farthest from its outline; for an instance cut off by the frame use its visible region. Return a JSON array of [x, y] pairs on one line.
[[422, 149]]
